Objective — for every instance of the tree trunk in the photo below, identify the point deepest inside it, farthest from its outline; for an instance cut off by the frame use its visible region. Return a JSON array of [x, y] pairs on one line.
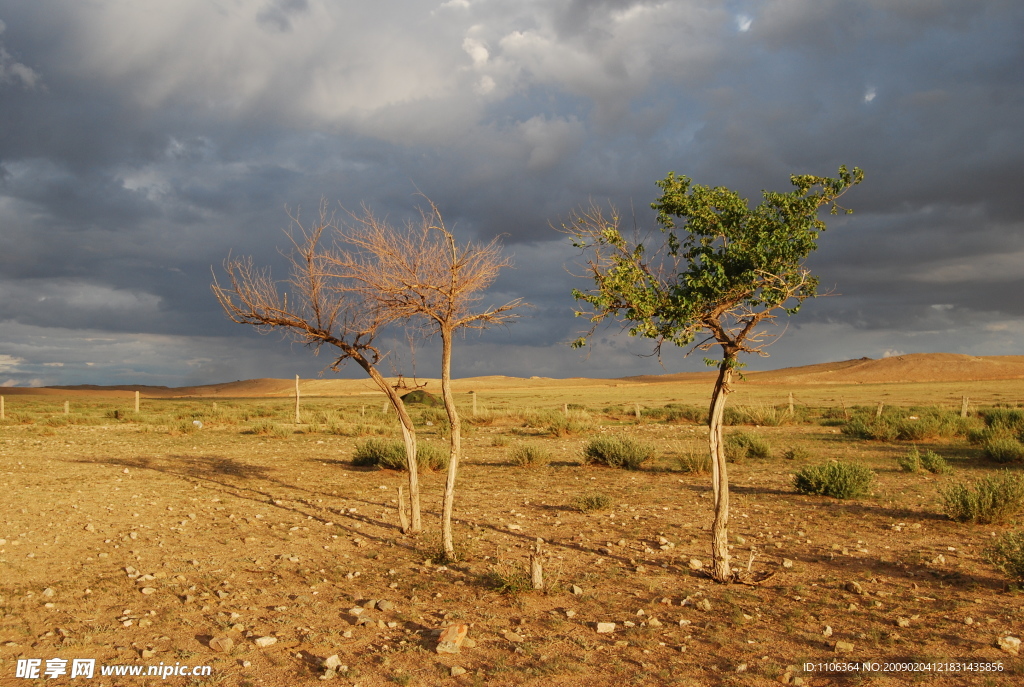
[[447, 540], [408, 436], [719, 475]]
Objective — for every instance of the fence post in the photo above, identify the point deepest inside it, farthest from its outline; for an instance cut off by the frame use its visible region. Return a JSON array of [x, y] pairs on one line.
[[137, 401], [67, 407], [474, 402], [2, 417], [878, 410], [963, 407], [790, 402]]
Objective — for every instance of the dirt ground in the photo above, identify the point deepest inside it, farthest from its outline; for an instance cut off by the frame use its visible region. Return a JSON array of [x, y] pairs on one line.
[[138, 546]]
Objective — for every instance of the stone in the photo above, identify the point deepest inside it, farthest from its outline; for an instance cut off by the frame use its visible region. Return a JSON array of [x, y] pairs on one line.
[[332, 662], [1010, 645], [570, 613], [604, 628], [148, 590], [903, 622], [512, 636], [385, 605], [452, 638], [695, 564], [469, 643], [576, 591], [49, 593], [704, 605], [787, 563], [457, 671], [827, 632], [844, 647], [222, 644], [264, 642], [653, 622], [854, 587]]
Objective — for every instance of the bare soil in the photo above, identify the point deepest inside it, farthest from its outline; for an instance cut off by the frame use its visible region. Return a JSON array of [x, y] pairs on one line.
[[152, 543]]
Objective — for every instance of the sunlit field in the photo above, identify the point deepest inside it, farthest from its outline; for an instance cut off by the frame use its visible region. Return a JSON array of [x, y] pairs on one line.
[[141, 538]]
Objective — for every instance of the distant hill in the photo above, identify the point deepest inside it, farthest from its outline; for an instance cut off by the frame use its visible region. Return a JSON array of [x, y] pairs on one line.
[[913, 367]]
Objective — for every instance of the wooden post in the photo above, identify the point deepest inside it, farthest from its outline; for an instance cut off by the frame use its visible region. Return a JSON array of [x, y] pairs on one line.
[[67, 407], [385, 410], [2, 416], [297, 418], [963, 407], [636, 409], [536, 569], [878, 410], [565, 409], [362, 409], [846, 415], [790, 402], [137, 402], [474, 402]]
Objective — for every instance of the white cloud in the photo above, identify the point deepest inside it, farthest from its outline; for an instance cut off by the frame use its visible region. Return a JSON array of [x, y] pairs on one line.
[[743, 22], [9, 362], [550, 140], [870, 94], [12, 71]]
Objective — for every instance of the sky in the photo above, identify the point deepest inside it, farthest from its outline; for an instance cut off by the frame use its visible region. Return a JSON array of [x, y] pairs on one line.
[[142, 142]]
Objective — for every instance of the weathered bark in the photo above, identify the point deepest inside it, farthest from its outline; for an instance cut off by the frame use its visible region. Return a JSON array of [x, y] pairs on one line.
[[719, 475], [408, 436], [455, 434]]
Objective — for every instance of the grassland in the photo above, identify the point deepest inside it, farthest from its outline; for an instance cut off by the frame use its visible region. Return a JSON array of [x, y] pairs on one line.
[[253, 526]]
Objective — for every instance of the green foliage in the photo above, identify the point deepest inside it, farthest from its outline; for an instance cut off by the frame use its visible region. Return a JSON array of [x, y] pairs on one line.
[[915, 461], [991, 499], [265, 428], [591, 502], [796, 453], [617, 452], [1007, 554], [740, 445], [1003, 448], [561, 426], [529, 456], [390, 454], [723, 256], [419, 396], [836, 479], [1011, 419], [695, 462]]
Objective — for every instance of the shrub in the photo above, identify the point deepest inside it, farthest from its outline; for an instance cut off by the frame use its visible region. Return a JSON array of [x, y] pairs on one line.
[[678, 413], [924, 427], [420, 396], [796, 453], [561, 426], [836, 479], [765, 415], [591, 501], [746, 445], [390, 454], [934, 463], [695, 462], [1007, 554], [263, 429], [529, 456], [991, 499], [1003, 449], [617, 452], [910, 462], [507, 578], [1011, 419]]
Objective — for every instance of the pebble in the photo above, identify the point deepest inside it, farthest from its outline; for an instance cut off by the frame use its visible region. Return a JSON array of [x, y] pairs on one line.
[[222, 644], [265, 641], [577, 591], [452, 638], [1010, 645], [844, 647], [457, 671], [148, 590], [854, 587], [695, 564], [787, 563], [333, 662], [603, 628]]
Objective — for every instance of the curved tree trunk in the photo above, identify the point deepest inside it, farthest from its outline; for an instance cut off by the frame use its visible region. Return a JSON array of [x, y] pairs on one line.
[[409, 437], [719, 475], [456, 445]]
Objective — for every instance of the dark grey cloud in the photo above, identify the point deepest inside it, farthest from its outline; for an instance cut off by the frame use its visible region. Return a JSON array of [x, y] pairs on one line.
[[140, 145]]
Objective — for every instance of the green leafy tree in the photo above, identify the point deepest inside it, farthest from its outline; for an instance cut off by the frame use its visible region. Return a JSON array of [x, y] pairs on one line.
[[723, 271]]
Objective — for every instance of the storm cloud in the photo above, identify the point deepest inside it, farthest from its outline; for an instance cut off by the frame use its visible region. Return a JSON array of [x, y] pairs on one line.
[[140, 143]]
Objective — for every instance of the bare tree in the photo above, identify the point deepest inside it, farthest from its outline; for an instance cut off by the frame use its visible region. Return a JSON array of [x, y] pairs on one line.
[[324, 306], [422, 275]]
